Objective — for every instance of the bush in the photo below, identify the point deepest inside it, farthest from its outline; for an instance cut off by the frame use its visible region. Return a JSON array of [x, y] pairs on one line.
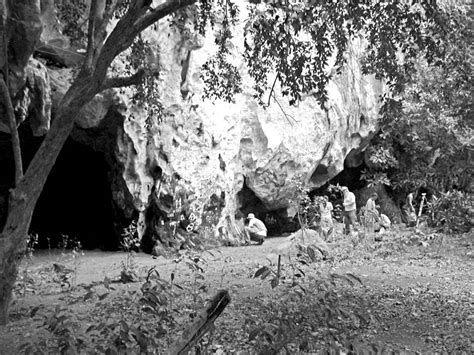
[[451, 212]]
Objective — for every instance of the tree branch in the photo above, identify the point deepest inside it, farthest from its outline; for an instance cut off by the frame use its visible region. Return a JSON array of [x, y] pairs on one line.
[[94, 38], [123, 81], [138, 17], [287, 115], [5, 94], [273, 88], [7, 101], [161, 11], [90, 36]]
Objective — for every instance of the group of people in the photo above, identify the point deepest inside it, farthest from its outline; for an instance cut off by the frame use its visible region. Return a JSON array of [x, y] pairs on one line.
[[256, 230], [371, 218]]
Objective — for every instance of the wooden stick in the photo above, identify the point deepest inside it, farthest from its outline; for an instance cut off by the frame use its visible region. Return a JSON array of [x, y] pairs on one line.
[[279, 266], [201, 325], [423, 197]]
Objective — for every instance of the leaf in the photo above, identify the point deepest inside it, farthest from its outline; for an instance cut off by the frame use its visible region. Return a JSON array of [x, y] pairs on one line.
[[301, 271], [149, 309], [352, 276], [34, 311], [260, 271], [311, 254], [275, 282], [107, 282], [265, 274]]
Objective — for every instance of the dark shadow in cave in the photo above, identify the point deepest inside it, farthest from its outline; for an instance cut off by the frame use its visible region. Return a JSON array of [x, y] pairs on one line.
[[77, 201], [276, 221], [349, 177]]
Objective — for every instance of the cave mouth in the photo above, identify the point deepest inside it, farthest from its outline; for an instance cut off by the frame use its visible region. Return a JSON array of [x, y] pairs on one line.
[[350, 176], [277, 221], [76, 202]]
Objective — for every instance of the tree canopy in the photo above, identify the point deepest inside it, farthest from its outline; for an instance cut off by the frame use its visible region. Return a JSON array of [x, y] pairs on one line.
[[426, 130], [298, 43]]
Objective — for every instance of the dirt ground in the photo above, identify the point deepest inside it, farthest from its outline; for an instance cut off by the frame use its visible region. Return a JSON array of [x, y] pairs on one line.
[[415, 296]]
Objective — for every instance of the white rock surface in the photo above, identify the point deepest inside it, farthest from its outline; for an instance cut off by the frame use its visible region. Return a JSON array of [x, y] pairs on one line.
[[261, 145]]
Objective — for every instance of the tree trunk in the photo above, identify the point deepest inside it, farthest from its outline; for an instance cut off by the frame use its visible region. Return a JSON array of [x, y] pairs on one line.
[[12, 245], [90, 81], [23, 198]]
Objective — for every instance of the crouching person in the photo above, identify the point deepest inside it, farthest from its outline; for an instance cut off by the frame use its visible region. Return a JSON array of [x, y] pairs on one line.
[[256, 229]]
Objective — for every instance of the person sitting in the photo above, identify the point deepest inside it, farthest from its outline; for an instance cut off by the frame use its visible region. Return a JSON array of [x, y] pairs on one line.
[[255, 229]]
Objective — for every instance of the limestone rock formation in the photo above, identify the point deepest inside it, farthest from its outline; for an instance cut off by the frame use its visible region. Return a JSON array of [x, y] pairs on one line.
[[32, 99], [213, 148], [220, 147]]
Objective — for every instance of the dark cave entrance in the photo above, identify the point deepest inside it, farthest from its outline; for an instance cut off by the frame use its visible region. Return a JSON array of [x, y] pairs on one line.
[[77, 201], [276, 221], [349, 176]]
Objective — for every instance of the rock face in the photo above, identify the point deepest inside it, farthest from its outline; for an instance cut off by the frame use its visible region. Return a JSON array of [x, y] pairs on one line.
[[32, 100], [220, 147], [214, 150]]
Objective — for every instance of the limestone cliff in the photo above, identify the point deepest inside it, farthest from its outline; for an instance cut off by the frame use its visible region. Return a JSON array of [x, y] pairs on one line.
[[217, 149]]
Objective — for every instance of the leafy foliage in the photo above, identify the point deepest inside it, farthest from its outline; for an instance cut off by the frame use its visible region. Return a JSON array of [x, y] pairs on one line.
[[427, 130], [301, 44], [72, 15], [451, 212], [381, 160], [300, 41], [147, 94], [304, 300], [307, 210], [130, 243], [217, 72]]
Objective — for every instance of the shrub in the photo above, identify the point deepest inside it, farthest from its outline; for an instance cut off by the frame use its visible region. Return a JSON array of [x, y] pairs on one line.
[[450, 212]]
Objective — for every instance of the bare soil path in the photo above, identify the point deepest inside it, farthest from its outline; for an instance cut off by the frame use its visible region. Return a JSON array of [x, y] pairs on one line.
[[416, 296]]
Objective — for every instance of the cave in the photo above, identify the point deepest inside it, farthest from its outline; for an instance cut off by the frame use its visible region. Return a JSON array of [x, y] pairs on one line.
[[77, 201], [276, 221], [349, 176]]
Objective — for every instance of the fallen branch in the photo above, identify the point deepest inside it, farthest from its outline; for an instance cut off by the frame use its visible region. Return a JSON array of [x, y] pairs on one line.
[[201, 325]]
